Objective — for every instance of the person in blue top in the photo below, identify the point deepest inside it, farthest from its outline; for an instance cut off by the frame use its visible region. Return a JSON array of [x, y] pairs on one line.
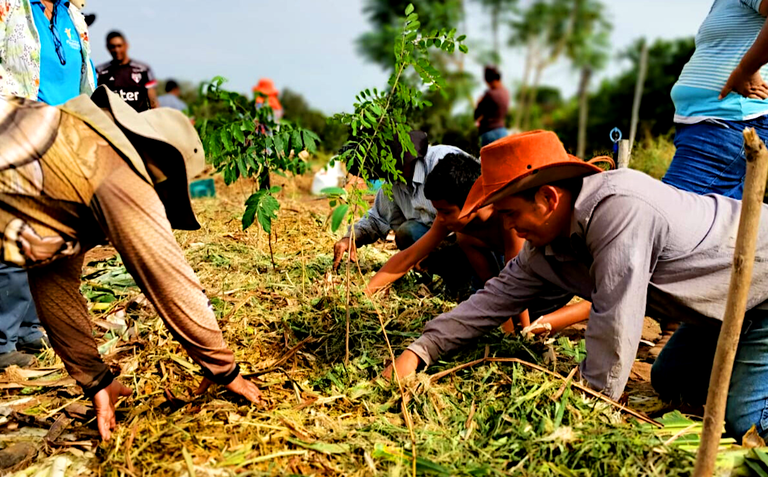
[[720, 92], [44, 56]]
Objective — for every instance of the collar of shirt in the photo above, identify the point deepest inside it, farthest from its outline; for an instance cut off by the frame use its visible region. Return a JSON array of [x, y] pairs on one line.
[[40, 2], [419, 172]]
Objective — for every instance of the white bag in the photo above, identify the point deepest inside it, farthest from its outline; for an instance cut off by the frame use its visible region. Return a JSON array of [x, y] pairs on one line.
[[328, 176]]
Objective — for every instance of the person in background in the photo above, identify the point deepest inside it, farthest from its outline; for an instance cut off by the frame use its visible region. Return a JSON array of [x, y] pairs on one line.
[[266, 87], [491, 110], [132, 80], [172, 97], [409, 214], [45, 56]]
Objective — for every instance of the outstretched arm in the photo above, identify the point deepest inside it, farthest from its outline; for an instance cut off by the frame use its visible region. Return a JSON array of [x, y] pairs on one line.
[[403, 261]]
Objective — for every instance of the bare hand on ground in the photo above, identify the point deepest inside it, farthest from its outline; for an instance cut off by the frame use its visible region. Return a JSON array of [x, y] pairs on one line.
[[406, 364], [104, 403], [342, 246], [749, 86], [240, 386]]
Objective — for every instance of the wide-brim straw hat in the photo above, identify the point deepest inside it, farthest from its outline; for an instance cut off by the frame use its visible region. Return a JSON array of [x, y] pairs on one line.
[[161, 144], [523, 161]]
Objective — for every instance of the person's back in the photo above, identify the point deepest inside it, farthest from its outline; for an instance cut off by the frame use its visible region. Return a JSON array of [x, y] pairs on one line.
[[171, 98], [491, 110]]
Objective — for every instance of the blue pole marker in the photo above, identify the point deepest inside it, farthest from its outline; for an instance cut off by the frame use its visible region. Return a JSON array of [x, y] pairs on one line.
[[615, 138]]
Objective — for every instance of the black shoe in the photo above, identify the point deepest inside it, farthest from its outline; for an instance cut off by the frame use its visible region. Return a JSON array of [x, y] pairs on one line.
[[34, 347], [12, 358]]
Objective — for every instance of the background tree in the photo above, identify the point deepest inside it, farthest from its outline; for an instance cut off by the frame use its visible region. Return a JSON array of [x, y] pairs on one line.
[[545, 28], [500, 12], [589, 51], [297, 110], [611, 104]]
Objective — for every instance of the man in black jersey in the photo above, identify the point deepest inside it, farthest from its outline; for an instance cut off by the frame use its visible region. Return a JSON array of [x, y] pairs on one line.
[[133, 81]]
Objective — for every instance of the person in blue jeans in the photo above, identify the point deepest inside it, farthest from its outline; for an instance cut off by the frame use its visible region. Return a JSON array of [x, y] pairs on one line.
[[491, 110], [719, 93], [62, 70]]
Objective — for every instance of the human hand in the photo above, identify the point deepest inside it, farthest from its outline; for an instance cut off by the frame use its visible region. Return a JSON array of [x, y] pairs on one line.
[[406, 364], [239, 385], [104, 403], [748, 85], [342, 246]]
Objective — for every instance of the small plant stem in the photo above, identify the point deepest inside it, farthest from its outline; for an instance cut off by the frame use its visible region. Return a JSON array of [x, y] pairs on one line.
[[349, 259], [271, 253]]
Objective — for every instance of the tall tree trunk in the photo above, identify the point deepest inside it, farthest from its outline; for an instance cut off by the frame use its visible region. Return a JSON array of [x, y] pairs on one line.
[[523, 93], [586, 75], [495, 14], [642, 69], [532, 94]]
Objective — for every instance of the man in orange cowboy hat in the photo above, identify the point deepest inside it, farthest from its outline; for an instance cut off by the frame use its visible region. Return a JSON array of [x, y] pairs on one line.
[[632, 246]]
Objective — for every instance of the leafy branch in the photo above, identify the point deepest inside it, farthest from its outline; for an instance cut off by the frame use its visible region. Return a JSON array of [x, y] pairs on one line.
[[381, 117], [243, 139]]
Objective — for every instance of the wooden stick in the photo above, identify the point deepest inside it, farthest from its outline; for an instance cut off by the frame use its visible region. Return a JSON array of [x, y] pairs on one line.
[[741, 278], [623, 154], [582, 388]]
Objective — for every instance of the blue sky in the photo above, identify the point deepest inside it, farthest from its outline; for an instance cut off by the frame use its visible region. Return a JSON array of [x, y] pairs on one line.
[[309, 45]]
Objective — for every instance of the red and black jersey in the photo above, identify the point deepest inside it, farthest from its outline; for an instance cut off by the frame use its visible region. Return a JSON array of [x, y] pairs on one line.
[[131, 81]]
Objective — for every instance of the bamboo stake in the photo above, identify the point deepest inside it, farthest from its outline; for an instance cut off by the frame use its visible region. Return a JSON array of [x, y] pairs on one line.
[[623, 161], [738, 292]]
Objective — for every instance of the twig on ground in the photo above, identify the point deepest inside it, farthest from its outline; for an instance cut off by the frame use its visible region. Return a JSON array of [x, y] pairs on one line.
[[581, 387]]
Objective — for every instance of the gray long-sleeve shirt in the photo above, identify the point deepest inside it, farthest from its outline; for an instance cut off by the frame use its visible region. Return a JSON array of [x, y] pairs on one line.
[[407, 202], [636, 247]]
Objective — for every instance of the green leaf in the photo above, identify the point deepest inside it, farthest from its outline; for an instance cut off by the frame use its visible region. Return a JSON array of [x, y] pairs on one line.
[[262, 207], [409, 9], [334, 191], [412, 17], [309, 140], [237, 132], [461, 38], [437, 42], [323, 447], [338, 215], [463, 48]]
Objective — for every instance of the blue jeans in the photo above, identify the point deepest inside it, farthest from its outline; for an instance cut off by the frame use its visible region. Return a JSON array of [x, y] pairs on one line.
[[681, 372], [493, 135], [18, 317], [710, 156]]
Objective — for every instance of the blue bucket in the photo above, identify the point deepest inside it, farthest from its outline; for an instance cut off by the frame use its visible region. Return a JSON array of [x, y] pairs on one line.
[[202, 188]]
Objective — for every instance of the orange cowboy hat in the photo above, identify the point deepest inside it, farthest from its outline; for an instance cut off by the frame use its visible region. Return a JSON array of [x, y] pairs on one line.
[[523, 161]]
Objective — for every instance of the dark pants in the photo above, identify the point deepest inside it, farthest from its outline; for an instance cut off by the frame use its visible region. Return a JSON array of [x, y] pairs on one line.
[[448, 261], [18, 318], [681, 372], [710, 156]]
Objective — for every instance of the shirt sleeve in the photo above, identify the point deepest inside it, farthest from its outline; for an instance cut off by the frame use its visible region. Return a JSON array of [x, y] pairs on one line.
[[625, 237], [151, 81], [515, 289], [381, 218]]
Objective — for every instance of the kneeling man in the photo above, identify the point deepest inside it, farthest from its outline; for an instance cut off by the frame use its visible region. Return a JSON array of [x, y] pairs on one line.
[[632, 246]]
